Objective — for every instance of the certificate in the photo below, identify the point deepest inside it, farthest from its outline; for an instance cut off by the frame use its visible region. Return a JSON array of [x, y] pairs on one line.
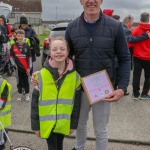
[[97, 86]]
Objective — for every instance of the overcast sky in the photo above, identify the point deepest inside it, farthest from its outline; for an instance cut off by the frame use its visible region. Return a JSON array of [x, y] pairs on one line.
[[70, 9]]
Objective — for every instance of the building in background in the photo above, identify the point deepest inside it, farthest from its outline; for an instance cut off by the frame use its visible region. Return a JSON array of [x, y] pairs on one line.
[[32, 9]]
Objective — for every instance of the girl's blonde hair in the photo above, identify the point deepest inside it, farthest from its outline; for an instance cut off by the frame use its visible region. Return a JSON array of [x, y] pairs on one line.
[[60, 38]]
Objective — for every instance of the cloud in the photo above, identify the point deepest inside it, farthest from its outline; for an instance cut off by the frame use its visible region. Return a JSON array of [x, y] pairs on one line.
[[70, 9]]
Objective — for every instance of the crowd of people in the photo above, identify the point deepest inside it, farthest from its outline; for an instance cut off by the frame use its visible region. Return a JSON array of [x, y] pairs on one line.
[[94, 41], [22, 45]]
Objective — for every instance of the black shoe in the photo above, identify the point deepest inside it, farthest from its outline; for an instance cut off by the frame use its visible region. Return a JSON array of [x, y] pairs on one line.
[[126, 93]]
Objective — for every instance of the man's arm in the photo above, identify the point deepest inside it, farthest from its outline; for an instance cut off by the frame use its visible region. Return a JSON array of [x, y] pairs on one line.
[[124, 65], [124, 60], [134, 39]]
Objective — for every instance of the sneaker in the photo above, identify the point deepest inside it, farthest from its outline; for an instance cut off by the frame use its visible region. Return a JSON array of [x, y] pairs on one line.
[[19, 97], [135, 97], [126, 93], [27, 98], [145, 97]]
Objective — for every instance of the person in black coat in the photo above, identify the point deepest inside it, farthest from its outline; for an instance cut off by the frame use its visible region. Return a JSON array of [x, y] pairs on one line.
[[31, 35]]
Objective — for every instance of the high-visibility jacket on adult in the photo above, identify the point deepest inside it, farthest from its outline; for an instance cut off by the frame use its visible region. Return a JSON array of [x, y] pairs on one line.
[[56, 104], [5, 113]]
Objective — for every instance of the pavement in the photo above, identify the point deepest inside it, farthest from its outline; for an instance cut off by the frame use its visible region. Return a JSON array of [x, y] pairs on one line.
[[129, 124]]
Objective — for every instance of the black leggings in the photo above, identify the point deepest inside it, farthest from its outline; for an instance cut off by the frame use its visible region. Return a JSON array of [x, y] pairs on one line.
[[55, 141]]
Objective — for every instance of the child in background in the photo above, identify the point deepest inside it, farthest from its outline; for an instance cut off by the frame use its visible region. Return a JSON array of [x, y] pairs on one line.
[[55, 103], [14, 38], [5, 108], [20, 56]]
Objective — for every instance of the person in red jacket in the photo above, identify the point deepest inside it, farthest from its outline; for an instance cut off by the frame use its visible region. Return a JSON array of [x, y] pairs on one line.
[[141, 54], [108, 12]]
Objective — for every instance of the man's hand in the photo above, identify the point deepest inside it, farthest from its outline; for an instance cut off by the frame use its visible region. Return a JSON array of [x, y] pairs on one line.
[[115, 96], [148, 33], [34, 79], [37, 133]]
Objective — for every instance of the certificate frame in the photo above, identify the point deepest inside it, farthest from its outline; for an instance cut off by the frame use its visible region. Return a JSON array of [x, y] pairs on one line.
[[97, 86]]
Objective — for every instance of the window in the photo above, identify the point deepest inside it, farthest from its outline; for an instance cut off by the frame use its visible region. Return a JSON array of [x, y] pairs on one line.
[[12, 15]]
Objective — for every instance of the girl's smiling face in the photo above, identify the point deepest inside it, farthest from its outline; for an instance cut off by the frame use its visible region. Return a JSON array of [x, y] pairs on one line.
[[59, 51]]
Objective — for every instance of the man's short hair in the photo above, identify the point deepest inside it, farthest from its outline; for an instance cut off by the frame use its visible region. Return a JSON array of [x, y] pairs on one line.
[[144, 17], [127, 19]]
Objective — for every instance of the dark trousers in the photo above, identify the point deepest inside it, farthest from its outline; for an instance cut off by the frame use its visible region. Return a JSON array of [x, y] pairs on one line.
[[131, 52], [23, 82], [138, 66], [55, 141]]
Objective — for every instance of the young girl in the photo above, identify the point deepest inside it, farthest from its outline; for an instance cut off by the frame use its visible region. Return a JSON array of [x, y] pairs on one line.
[[55, 103]]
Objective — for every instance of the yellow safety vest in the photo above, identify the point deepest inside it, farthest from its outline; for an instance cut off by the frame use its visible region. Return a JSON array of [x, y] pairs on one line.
[[55, 106], [26, 40], [5, 113]]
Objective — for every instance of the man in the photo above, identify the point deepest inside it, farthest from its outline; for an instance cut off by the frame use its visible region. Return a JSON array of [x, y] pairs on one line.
[[94, 41], [127, 25], [141, 54]]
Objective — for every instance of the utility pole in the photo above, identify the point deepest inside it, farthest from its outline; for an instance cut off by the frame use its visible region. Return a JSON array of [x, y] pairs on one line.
[[56, 14]]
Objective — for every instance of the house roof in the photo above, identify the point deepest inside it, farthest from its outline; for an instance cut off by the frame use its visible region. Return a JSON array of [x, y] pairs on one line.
[[24, 5]]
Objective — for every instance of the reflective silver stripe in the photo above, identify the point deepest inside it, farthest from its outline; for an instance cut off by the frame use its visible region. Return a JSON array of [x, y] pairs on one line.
[[5, 113], [53, 117], [51, 102]]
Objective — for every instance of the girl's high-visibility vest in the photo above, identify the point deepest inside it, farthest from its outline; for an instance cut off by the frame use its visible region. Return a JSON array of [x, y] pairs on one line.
[[55, 106], [5, 113]]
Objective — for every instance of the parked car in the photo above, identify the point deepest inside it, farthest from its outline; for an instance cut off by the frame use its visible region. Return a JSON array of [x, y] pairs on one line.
[[58, 30]]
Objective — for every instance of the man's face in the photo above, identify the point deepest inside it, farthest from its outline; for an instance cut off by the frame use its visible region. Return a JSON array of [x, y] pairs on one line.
[[91, 7], [130, 24], [23, 26]]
